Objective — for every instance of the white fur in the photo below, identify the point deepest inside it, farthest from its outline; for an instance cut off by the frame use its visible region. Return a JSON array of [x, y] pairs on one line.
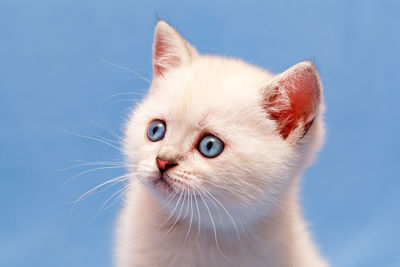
[[247, 213]]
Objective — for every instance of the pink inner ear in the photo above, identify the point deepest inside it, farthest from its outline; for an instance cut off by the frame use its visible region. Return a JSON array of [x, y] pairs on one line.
[[163, 55], [303, 92]]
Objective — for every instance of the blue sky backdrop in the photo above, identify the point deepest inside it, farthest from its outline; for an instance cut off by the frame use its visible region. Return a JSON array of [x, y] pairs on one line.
[[56, 74]]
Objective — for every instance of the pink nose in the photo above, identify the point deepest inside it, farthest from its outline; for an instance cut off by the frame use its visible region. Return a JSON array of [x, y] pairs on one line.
[[164, 165]]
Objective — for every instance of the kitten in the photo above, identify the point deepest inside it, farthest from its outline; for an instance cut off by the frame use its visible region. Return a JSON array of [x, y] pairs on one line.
[[215, 152]]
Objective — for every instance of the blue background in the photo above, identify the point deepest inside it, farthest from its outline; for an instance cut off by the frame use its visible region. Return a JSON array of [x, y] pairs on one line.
[[55, 75]]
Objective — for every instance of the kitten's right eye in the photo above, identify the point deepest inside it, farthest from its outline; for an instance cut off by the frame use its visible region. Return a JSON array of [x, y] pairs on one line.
[[156, 130]]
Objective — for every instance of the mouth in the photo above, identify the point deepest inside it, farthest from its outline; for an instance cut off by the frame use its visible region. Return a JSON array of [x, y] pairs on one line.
[[163, 183]]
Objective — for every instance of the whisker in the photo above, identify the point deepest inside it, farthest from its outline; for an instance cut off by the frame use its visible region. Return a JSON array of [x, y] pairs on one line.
[[213, 224], [191, 214], [187, 206], [114, 183], [236, 193], [229, 215], [107, 139], [110, 131], [118, 197], [91, 163], [166, 204], [124, 100], [83, 196], [126, 93], [94, 139], [108, 200], [86, 161], [277, 203], [198, 213], [179, 215], [126, 69], [218, 209], [92, 170], [170, 215]]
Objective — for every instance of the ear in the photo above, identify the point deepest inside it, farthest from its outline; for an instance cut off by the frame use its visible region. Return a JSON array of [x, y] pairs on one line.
[[292, 99], [169, 49]]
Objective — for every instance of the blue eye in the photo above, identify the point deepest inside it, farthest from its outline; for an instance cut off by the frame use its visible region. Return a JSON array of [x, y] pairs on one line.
[[156, 130], [210, 146]]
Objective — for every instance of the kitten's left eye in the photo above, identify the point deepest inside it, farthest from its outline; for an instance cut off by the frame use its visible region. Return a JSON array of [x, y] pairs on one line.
[[210, 146], [156, 130]]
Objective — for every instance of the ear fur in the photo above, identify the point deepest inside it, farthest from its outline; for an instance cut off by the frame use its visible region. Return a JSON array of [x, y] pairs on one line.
[[292, 99], [169, 49]]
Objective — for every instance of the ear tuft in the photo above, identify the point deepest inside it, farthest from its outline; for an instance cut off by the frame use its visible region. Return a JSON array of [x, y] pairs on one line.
[[169, 49], [292, 99]]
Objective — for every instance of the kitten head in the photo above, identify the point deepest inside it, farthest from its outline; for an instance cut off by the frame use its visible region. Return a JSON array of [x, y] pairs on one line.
[[221, 132]]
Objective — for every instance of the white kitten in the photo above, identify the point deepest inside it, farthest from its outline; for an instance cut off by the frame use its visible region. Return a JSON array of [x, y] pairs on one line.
[[215, 152]]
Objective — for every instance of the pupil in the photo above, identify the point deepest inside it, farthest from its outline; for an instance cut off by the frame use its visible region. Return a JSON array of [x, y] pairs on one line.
[[209, 145], [155, 129]]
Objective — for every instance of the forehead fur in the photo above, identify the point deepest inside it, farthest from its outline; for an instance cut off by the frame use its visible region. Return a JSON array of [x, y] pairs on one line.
[[209, 85]]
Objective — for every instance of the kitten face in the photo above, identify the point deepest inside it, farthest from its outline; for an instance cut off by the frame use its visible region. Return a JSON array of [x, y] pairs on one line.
[[197, 96]]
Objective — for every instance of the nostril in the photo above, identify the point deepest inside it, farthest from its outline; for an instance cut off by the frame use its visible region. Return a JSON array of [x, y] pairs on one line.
[[167, 166], [164, 165]]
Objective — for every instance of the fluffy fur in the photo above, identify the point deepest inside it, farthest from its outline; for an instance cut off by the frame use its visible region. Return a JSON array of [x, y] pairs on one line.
[[239, 208]]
